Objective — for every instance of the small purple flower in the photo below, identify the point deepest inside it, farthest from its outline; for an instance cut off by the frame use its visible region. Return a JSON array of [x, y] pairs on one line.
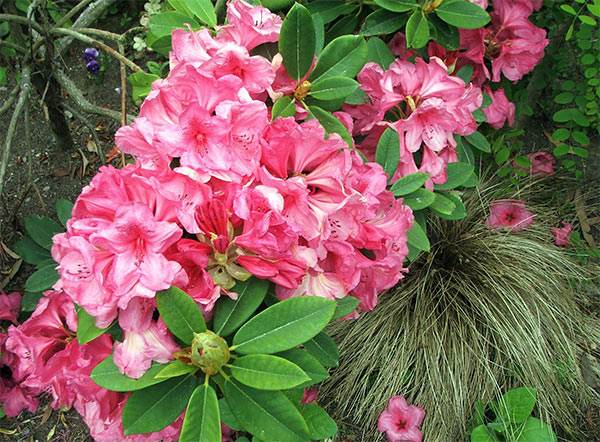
[[90, 54], [93, 67]]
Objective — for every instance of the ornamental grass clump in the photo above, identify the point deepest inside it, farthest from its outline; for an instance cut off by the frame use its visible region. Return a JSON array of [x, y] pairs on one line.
[[486, 310]]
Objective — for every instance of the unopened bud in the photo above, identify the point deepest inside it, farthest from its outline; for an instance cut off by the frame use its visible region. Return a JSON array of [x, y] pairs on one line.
[[209, 352]]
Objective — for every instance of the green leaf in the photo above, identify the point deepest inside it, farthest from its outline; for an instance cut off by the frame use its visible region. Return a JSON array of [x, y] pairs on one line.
[[157, 406], [457, 174], [345, 306], [329, 10], [331, 124], [502, 155], [30, 301], [465, 73], [516, 405], [379, 52], [561, 134], [180, 6], [161, 45], [417, 238], [203, 10], [473, 181], [343, 26], [269, 415], [523, 161], [459, 212], [388, 151], [594, 9], [479, 141], [42, 279], [442, 204], [202, 422], [581, 138], [462, 14], [267, 372], [535, 430], [333, 88], [417, 30], [324, 349], [141, 84], [320, 424], [409, 183], [297, 41], [482, 434], [308, 363], [561, 150], [86, 327], [284, 325], [563, 115], [64, 208], [176, 368], [343, 57], [163, 24], [419, 199], [564, 98], [227, 416], [446, 35], [397, 5], [3, 78], [383, 22], [180, 313], [107, 375], [31, 252], [358, 97], [230, 314], [284, 107], [42, 229], [580, 152]]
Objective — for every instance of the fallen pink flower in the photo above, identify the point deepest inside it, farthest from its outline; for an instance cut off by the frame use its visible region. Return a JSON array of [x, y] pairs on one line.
[[542, 164], [562, 234], [509, 213], [10, 306], [400, 421], [309, 395]]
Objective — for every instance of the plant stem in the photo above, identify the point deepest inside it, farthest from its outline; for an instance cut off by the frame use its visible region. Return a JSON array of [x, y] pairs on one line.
[[14, 46], [11, 99], [90, 127], [88, 16], [21, 20], [82, 4]]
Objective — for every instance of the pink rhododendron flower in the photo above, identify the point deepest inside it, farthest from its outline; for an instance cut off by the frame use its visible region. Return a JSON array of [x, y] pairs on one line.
[[509, 213], [542, 164], [10, 306], [309, 395], [500, 110], [400, 421], [250, 25], [562, 234]]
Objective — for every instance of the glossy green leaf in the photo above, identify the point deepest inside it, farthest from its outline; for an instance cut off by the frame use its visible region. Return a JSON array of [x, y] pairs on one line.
[[294, 395], [42, 229], [344, 26], [63, 210], [446, 35], [417, 238], [379, 52], [517, 404], [324, 349], [383, 22], [482, 434], [157, 406], [230, 314], [141, 84], [442, 204], [409, 184], [176, 368], [345, 306], [42, 279], [180, 6], [203, 10], [535, 430], [86, 326], [163, 24], [569, 9], [107, 375], [227, 416], [331, 124], [462, 14], [564, 98], [459, 212], [320, 424], [308, 364], [269, 415], [343, 57], [329, 10], [267, 372], [561, 134], [284, 325], [161, 45], [180, 313], [333, 88], [457, 174], [388, 151], [30, 251], [30, 301], [283, 107], [563, 115], [297, 41], [319, 33], [419, 199], [581, 137], [417, 30], [479, 141], [202, 422], [465, 73], [397, 5]]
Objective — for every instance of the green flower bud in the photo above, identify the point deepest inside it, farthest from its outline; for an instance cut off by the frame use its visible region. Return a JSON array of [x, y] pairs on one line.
[[209, 352]]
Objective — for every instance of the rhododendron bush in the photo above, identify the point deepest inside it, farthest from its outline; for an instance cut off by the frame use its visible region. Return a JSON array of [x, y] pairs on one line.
[[304, 176]]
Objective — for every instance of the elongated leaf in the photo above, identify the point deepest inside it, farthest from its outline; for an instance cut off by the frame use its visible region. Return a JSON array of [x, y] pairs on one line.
[[42, 279], [284, 107], [383, 22], [269, 415], [482, 434], [30, 301], [534, 430], [308, 363], [107, 375], [517, 404], [419, 199], [459, 212], [331, 124], [202, 422], [388, 151], [417, 30], [333, 88], [462, 14], [417, 238], [161, 25], [329, 10], [230, 314], [180, 6], [30, 251], [343, 57], [446, 35], [345, 306], [324, 350], [458, 174], [409, 184], [379, 52], [42, 229], [86, 327], [284, 325], [203, 10], [297, 41], [141, 84], [442, 204], [320, 424], [397, 5], [176, 368], [267, 372], [479, 141], [155, 407], [180, 313], [63, 210], [227, 416], [465, 73]]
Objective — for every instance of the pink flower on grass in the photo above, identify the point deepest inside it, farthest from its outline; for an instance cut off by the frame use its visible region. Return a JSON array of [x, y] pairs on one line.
[[509, 213], [400, 421], [309, 395], [562, 234], [542, 164]]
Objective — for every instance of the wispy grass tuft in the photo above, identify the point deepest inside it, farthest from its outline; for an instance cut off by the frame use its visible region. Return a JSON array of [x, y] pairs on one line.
[[486, 311]]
